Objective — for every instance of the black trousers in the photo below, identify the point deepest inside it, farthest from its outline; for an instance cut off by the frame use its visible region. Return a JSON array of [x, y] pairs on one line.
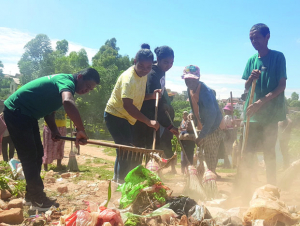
[[7, 141], [25, 134]]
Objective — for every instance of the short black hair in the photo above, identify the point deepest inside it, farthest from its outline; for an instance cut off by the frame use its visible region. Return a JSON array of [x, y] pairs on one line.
[[163, 52], [144, 53], [261, 28], [89, 74]]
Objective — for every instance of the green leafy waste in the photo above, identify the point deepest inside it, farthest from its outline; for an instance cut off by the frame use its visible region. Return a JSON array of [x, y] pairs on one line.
[[136, 180]]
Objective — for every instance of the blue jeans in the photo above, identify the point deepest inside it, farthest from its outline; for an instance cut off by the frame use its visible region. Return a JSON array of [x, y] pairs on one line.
[[121, 131]]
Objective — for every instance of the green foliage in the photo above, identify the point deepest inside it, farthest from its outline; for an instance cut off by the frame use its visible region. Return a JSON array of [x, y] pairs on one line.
[[1, 69], [175, 145], [62, 46], [30, 64], [19, 186], [179, 107], [295, 103], [237, 113], [295, 117], [295, 96]]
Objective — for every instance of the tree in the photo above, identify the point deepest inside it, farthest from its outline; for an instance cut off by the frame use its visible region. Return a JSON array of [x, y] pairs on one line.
[[295, 96], [62, 46], [110, 64], [295, 103], [36, 50], [1, 70]]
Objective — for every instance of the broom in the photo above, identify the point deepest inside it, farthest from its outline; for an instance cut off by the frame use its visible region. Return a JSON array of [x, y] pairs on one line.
[[209, 178], [72, 164], [193, 183]]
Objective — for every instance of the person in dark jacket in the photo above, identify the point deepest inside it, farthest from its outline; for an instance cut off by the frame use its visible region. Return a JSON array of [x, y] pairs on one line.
[[143, 135], [206, 114]]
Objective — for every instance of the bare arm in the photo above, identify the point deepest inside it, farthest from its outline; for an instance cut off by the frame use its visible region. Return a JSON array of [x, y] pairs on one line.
[[253, 108], [135, 113], [73, 113], [50, 120]]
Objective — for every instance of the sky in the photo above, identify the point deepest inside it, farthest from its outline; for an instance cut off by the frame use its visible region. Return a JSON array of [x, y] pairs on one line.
[[213, 35]]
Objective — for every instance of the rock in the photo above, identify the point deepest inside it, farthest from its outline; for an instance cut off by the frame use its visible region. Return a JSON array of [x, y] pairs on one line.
[[3, 224], [3, 205], [65, 175], [183, 221], [106, 224], [152, 222], [50, 180], [5, 194], [15, 203], [12, 216], [62, 189]]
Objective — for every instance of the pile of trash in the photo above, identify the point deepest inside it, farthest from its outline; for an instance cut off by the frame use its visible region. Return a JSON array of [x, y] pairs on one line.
[[146, 201]]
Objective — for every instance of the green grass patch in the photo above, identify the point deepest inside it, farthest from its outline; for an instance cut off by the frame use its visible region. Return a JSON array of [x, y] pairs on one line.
[[61, 169], [110, 151], [89, 172]]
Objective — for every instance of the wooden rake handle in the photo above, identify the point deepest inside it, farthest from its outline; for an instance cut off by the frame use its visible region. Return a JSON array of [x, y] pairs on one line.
[[155, 118], [248, 117], [119, 146]]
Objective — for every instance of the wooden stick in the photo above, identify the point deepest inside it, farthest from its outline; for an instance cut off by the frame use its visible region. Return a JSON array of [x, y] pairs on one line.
[[71, 128], [194, 128], [155, 118], [248, 117], [119, 146]]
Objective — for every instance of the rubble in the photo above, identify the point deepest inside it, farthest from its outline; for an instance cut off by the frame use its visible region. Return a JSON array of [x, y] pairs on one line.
[[62, 189], [65, 175], [12, 216], [5, 194], [15, 203]]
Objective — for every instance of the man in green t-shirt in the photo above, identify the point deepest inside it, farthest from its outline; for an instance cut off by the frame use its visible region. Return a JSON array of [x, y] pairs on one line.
[[41, 98], [268, 108]]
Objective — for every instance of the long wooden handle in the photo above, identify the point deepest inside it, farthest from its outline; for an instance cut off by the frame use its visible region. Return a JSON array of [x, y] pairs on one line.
[[155, 117], [194, 128], [119, 146], [248, 117], [71, 128]]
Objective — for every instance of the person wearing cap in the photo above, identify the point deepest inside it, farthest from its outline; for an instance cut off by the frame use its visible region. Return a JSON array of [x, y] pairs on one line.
[[206, 112], [183, 125], [268, 67], [230, 134]]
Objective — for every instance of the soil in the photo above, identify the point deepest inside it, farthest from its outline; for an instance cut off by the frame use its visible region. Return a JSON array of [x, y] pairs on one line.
[[81, 192]]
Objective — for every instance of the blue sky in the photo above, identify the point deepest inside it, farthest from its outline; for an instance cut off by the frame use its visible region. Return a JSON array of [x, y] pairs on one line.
[[211, 34]]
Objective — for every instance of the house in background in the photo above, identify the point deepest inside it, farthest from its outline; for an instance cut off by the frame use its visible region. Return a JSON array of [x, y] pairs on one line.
[[14, 85]]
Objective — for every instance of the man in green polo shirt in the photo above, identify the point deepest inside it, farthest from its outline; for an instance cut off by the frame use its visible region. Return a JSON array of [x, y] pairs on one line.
[[268, 108], [41, 98]]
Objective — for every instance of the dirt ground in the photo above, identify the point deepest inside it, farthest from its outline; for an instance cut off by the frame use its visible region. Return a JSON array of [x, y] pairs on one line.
[[94, 189]]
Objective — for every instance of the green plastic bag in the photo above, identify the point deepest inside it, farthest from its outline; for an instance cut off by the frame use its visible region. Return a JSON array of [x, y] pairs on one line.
[[136, 180]]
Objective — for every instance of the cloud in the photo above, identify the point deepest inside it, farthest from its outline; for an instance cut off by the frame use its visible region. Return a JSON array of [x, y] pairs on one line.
[[12, 42], [222, 84]]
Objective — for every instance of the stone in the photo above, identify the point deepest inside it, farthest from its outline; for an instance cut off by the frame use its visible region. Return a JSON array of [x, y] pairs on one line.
[[62, 189], [65, 175], [3, 205], [15, 203], [5, 194], [12, 216], [50, 180]]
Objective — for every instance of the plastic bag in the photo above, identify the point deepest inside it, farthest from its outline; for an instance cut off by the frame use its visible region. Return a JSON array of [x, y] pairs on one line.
[[198, 213], [265, 205], [83, 218], [16, 168], [135, 181], [109, 215]]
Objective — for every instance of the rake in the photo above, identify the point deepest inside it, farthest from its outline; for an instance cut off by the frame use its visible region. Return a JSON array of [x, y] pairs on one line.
[[134, 152]]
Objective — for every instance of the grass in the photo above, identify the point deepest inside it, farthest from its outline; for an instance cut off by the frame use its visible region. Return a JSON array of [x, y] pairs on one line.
[[110, 151]]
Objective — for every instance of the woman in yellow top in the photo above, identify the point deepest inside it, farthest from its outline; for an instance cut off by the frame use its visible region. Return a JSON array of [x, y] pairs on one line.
[[123, 108], [54, 150]]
